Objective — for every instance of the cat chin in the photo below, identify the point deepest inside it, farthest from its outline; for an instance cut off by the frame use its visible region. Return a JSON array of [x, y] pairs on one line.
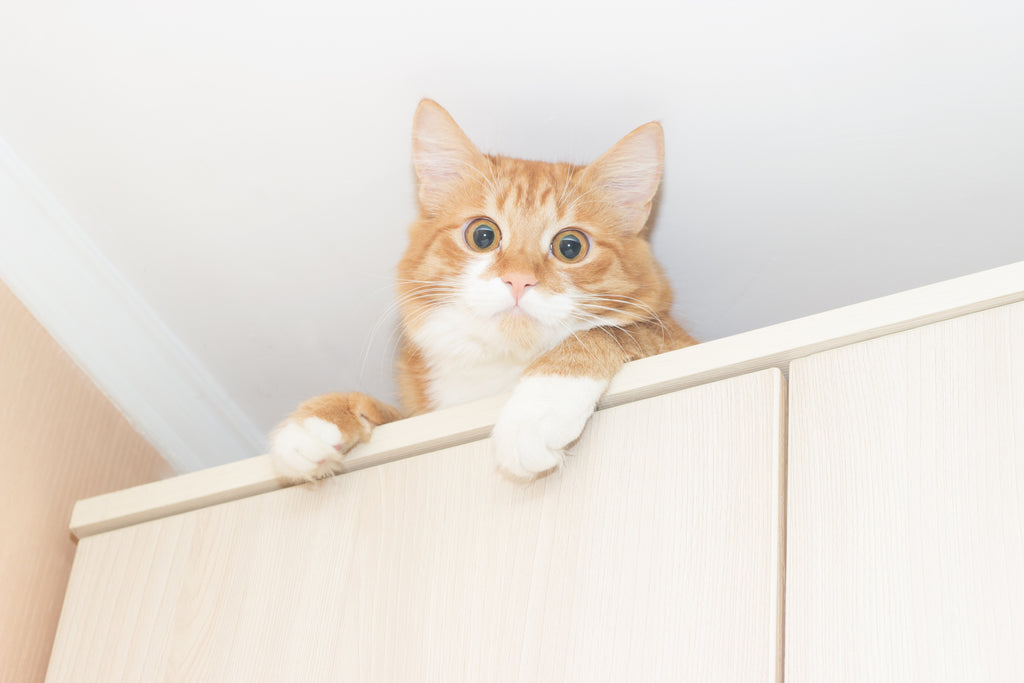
[[521, 329]]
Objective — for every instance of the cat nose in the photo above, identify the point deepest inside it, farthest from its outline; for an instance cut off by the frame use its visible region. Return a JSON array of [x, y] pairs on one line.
[[519, 282]]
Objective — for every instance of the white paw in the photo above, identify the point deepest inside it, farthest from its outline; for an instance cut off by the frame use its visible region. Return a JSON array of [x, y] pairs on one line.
[[544, 415], [306, 450]]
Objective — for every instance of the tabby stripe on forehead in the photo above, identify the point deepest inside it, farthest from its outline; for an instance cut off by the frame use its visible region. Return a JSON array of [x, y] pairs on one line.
[[531, 185], [501, 198], [544, 196], [566, 192], [520, 194]]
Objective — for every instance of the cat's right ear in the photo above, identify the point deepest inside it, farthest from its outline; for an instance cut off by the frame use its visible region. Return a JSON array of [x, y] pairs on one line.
[[441, 154], [630, 173]]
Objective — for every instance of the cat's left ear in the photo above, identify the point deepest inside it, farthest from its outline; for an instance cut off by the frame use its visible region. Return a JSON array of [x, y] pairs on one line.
[[442, 154], [630, 173]]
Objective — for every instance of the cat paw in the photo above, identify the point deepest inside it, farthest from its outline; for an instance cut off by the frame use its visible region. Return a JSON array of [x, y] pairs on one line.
[[311, 443], [307, 449], [544, 415]]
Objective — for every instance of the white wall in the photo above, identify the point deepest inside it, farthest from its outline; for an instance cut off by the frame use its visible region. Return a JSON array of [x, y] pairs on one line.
[[245, 166]]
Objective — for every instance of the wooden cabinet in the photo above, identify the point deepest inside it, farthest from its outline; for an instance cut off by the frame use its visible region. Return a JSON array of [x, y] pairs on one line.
[[906, 506], [653, 555], [658, 553]]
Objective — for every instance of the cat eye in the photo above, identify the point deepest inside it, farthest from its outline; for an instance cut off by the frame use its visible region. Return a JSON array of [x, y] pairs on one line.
[[570, 245], [482, 234]]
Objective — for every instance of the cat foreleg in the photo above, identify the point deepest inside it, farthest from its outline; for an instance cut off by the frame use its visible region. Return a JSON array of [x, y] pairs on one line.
[[544, 415], [554, 399]]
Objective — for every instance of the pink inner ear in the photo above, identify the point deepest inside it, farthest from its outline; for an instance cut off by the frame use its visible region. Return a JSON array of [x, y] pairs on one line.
[[631, 171], [441, 151], [436, 166]]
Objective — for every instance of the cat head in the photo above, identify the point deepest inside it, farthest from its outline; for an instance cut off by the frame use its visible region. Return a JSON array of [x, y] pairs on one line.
[[511, 256]]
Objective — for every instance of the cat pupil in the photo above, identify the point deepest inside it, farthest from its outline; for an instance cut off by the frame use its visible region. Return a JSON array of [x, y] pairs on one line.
[[483, 237], [570, 246]]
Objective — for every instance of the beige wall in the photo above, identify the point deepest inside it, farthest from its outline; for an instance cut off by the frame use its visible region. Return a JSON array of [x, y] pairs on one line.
[[60, 440]]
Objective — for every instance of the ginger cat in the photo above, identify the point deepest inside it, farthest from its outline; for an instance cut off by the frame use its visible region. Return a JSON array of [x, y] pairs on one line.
[[519, 275]]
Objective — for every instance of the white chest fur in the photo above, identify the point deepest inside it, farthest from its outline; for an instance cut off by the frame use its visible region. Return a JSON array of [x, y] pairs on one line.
[[470, 358], [453, 382]]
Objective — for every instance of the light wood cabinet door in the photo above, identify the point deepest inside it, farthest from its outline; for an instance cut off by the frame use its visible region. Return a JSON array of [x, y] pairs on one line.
[[653, 555], [906, 506]]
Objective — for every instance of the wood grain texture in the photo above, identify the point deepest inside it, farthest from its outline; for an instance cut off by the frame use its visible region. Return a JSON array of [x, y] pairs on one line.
[[906, 506], [60, 440], [653, 555], [773, 346]]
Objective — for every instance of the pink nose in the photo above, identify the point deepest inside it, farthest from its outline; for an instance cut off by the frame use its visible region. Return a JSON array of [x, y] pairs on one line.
[[519, 282]]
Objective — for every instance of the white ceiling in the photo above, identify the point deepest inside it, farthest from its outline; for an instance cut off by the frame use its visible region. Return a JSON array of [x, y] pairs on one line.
[[245, 166]]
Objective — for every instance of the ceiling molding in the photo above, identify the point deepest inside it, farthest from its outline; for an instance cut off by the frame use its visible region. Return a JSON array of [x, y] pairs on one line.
[[111, 332]]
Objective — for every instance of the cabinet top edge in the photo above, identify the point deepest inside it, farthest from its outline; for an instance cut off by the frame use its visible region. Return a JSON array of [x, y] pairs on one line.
[[768, 347]]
